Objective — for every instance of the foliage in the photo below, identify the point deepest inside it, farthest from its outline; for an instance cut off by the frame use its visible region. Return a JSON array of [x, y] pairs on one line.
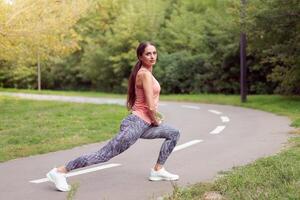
[[273, 31], [197, 41], [45, 126], [173, 74], [37, 30]]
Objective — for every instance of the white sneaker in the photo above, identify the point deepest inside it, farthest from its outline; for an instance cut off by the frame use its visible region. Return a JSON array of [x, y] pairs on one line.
[[162, 175], [59, 179]]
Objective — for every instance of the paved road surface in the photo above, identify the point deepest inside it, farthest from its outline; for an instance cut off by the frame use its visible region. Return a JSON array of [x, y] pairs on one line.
[[213, 138]]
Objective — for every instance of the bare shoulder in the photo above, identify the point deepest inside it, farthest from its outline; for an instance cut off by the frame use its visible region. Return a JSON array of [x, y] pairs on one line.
[[143, 74], [142, 77]]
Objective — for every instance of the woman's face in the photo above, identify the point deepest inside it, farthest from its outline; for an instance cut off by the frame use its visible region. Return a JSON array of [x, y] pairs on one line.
[[149, 56]]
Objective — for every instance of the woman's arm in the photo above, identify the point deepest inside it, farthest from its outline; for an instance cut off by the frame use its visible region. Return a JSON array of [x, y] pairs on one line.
[[148, 89]]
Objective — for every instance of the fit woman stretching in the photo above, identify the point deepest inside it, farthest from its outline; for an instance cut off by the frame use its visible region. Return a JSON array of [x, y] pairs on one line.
[[144, 122]]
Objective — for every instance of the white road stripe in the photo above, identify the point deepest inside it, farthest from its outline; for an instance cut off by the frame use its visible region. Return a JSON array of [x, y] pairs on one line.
[[215, 112], [93, 169], [185, 145], [191, 107], [217, 130], [225, 119]]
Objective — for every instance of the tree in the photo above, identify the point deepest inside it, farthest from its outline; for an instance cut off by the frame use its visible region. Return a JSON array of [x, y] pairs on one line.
[[274, 42], [111, 33], [33, 31], [209, 33]]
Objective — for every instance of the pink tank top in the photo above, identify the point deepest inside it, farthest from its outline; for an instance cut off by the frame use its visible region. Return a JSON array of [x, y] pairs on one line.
[[140, 107]]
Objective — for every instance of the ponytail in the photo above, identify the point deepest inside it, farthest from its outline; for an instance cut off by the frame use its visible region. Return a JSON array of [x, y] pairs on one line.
[[131, 85]]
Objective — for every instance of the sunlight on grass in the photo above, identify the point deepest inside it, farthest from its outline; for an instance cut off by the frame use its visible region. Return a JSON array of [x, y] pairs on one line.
[[33, 127]]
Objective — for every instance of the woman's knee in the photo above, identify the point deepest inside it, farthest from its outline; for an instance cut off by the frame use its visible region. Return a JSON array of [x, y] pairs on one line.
[[175, 134]]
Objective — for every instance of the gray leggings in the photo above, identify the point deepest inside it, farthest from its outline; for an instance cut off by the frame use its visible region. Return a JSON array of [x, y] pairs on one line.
[[131, 129]]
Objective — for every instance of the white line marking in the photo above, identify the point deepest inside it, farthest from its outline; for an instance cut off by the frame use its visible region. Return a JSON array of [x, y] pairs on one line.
[[191, 107], [185, 145], [225, 119], [215, 112], [80, 172], [217, 130]]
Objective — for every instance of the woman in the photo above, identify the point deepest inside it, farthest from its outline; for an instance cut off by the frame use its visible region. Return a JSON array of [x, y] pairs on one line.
[[144, 122]]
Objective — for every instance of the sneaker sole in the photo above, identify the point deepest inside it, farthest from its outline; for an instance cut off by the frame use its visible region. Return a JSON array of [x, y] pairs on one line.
[[162, 179]]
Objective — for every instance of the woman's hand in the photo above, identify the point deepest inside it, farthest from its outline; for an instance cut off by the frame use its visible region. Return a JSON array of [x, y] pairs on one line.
[[159, 116], [158, 119], [156, 122]]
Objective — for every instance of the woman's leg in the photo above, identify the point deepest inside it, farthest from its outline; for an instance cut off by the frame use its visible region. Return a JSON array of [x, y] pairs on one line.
[[163, 131], [171, 136], [130, 131]]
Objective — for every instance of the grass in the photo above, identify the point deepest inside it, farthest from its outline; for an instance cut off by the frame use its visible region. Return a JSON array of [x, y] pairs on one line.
[[72, 192], [33, 127], [274, 177]]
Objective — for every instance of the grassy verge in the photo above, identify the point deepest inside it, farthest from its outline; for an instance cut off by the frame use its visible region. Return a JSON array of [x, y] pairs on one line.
[[274, 177], [33, 127]]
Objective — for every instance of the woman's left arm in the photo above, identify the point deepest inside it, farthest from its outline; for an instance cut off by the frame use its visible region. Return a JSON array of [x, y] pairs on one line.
[[147, 86]]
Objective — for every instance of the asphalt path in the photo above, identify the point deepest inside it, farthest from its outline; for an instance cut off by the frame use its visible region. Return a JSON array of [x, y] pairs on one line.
[[213, 138]]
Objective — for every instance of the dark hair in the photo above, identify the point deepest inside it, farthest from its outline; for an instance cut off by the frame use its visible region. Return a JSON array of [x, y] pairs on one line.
[[131, 83]]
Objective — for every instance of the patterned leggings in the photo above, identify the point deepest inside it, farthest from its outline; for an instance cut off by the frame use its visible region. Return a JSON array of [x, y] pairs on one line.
[[132, 128]]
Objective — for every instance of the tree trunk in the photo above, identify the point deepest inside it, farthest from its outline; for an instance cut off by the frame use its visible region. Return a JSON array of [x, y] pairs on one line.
[[39, 73]]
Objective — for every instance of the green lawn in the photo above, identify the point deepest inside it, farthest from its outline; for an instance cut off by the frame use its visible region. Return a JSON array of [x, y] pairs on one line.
[[32, 127], [273, 178]]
